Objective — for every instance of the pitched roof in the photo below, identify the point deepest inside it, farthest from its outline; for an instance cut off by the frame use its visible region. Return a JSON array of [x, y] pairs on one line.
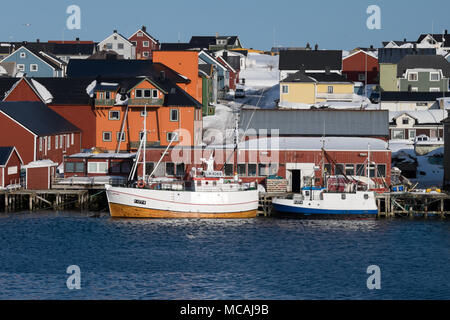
[[144, 31], [331, 77], [421, 117], [425, 62], [67, 91], [176, 46], [310, 59], [394, 55], [5, 154], [38, 118], [205, 41], [438, 37], [394, 96], [6, 84], [338, 123], [120, 68], [56, 48]]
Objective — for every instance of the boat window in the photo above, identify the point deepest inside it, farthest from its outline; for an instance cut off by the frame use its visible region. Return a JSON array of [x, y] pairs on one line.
[[199, 183], [366, 196], [343, 196], [307, 193]]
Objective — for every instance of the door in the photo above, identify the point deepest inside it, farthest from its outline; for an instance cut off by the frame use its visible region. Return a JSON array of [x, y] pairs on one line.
[[296, 181]]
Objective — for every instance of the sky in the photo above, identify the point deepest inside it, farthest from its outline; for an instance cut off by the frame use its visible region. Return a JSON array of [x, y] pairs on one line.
[[260, 24]]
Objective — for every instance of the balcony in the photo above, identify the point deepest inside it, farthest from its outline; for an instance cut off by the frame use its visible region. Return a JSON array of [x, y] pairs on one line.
[[140, 102], [335, 96], [150, 144], [104, 102]]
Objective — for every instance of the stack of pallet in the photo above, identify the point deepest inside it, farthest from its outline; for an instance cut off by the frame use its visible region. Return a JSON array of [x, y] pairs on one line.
[[276, 185]]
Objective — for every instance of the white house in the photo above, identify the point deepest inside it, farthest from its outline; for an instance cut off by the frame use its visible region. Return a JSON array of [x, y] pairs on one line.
[[119, 44]]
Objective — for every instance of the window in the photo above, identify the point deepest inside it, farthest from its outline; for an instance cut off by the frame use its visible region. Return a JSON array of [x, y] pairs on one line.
[[405, 121], [114, 115], [140, 34], [134, 43], [155, 94], [339, 169], [120, 46], [413, 76], [61, 141], [360, 170], [146, 44], [70, 167], [170, 169], [120, 136], [40, 144], [56, 142], [181, 170], [172, 136], [146, 54], [241, 169], [285, 89], [73, 138], [435, 89], [412, 134], [414, 89], [107, 95], [361, 77], [74, 167], [125, 167], [23, 55], [263, 170], [33, 67], [381, 170], [398, 134], [115, 167], [21, 67], [107, 136], [138, 93], [173, 114], [144, 113], [98, 167], [141, 135], [12, 170], [109, 46], [149, 167], [147, 93], [330, 89], [67, 141], [327, 168], [435, 76], [251, 170], [350, 169], [372, 171], [229, 172], [49, 143]]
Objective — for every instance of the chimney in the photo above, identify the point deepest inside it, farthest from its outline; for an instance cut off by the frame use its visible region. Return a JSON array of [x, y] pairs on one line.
[[115, 31], [316, 47], [446, 31], [162, 75], [37, 40], [77, 39], [144, 28], [327, 70], [308, 46], [302, 68], [404, 39], [371, 47]]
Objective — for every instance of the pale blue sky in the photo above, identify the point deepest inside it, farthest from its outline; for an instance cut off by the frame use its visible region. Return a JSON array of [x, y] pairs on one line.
[[259, 23]]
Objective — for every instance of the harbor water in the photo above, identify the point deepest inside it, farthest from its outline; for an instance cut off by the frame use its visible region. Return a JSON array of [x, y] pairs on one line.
[[264, 258]]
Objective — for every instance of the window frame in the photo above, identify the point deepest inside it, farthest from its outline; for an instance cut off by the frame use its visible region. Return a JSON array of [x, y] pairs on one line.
[[110, 136], [170, 133], [413, 73], [34, 65], [98, 171], [435, 73], [330, 90], [172, 119], [283, 87], [111, 118], [124, 136]]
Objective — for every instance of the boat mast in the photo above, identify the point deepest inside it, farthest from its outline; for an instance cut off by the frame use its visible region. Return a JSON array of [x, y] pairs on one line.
[[368, 167], [144, 160]]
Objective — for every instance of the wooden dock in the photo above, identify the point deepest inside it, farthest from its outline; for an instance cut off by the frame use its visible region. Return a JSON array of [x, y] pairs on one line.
[[390, 205], [18, 200]]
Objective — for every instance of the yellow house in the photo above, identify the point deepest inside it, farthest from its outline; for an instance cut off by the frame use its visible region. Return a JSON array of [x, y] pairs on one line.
[[312, 88]]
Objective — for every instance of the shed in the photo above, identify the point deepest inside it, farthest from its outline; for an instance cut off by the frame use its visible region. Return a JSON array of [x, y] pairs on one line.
[[10, 162], [39, 174]]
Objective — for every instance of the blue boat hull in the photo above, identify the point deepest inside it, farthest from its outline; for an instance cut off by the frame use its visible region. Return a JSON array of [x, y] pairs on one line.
[[310, 211]]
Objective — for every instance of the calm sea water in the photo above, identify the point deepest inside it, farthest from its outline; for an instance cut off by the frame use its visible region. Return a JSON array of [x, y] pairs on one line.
[[231, 259]]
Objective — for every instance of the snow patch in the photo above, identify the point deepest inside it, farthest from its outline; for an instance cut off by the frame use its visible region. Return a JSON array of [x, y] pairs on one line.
[[43, 92], [90, 88]]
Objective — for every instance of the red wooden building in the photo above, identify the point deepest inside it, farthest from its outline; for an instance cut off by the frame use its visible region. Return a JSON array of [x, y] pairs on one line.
[[145, 44], [356, 64], [39, 174], [10, 163], [234, 74], [66, 96], [37, 132], [297, 159]]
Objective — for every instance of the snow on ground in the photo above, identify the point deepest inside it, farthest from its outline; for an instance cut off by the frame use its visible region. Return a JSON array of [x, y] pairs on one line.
[[261, 72], [219, 129], [430, 170]]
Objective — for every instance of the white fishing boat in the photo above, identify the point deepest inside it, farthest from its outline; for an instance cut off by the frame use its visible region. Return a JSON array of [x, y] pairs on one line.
[[331, 200], [205, 194]]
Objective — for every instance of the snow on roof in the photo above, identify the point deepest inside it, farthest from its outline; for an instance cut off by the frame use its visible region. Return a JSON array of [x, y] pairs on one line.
[[40, 164], [103, 155], [43, 92], [423, 116], [315, 143], [3, 70], [90, 88]]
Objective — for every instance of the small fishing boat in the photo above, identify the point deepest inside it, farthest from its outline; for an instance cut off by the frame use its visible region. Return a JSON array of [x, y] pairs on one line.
[[342, 195]]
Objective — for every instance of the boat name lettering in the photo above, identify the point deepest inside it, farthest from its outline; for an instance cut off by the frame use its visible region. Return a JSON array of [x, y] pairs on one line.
[[142, 202]]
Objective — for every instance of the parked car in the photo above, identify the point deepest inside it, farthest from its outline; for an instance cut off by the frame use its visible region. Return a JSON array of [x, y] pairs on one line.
[[239, 93]]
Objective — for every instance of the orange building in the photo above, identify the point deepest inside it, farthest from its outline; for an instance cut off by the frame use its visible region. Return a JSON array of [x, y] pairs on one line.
[[185, 63], [120, 113]]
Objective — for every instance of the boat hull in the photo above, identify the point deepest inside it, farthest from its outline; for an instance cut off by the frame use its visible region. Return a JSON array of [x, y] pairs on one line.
[[159, 204], [309, 211]]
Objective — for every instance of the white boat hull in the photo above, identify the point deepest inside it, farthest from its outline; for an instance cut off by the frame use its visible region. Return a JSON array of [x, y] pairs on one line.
[[146, 203]]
